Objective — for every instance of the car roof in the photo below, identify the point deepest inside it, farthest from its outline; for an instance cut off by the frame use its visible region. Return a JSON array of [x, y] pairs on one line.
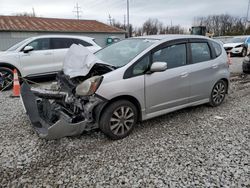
[[63, 36], [171, 37]]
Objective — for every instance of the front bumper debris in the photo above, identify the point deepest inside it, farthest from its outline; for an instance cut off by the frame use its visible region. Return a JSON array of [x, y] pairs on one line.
[[63, 126]]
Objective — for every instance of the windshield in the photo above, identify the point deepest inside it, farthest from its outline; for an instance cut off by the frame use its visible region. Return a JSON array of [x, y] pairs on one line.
[[121, 53], [15, 46], [238, 40]]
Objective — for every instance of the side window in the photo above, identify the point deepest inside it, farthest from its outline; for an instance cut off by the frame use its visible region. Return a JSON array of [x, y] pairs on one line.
[[200, 52], [40, 44], [174, 56], [141, 66], [217, 48], [82, 42], [60, 43]]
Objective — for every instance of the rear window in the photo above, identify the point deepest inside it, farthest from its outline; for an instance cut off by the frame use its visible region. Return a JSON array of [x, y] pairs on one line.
[[200, 52], [217, 48], [82, 42]]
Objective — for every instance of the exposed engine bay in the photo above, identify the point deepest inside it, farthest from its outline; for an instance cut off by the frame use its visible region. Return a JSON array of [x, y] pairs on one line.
[[68, 107]]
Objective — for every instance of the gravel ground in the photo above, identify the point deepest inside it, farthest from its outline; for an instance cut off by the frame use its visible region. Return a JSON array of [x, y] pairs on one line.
[[194, 147]]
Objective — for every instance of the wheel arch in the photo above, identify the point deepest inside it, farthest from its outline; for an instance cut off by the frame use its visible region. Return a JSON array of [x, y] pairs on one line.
[[227, 82], [129, 98], [10, 66]]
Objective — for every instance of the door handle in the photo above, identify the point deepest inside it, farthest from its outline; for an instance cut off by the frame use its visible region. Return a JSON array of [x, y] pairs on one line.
[[215, 66], [184, 74], [48, 53]]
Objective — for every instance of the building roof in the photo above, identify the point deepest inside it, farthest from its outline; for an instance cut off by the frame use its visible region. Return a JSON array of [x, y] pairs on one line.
[[39, 24]]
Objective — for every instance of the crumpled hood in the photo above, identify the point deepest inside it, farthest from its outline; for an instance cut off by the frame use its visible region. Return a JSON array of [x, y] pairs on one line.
[[232, 44], [79, 61]]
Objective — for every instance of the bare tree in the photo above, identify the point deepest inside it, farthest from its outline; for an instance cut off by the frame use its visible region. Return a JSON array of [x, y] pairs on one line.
[[223, 24], [25, 14], [152, 26]]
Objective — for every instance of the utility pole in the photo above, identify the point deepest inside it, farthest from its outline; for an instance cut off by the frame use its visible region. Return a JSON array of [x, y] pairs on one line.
[[110, 20], [77, 11], [128, 17], [124, 21], [247, 16], [33, 12]]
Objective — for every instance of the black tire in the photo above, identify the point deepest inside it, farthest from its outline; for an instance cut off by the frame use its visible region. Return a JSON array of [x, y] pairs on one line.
[[218, 93], [244, 52], [124, 116], [6, 78]]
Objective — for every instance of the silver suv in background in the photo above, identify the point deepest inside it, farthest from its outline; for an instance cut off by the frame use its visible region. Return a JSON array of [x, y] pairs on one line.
[[140, 78]]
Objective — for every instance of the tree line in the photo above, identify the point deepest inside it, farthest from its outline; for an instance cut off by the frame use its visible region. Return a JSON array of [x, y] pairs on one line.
[[151, 26], [223, 24], [219, 25]]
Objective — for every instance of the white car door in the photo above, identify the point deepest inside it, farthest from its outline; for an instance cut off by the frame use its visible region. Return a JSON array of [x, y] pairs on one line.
[[60, 47], [39, 61]]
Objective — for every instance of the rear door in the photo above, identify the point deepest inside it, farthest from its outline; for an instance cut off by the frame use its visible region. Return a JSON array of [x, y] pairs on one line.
[[40, 60], [171, 88], [60, 46], [203, 69]]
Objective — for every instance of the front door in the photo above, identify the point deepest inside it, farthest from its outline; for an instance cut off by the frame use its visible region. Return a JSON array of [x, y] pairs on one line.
[[171, 88], [38, 61]]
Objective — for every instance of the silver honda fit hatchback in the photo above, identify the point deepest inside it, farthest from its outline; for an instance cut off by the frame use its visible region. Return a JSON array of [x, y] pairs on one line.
[[142, 78]]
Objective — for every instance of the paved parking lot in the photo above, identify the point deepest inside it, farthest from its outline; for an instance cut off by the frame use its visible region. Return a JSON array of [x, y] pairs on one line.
[[194, 147]]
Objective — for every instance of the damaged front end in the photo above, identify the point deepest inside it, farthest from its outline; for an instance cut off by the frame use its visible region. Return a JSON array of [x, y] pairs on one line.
[[67, 108]]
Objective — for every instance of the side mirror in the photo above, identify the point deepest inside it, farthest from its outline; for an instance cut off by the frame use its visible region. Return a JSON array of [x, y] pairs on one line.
[[28, 49], [158, 67]]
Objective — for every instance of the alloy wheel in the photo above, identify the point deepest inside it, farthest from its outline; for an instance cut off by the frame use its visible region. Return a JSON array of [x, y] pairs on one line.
[[219, 93], [122, 120], [6, 79]]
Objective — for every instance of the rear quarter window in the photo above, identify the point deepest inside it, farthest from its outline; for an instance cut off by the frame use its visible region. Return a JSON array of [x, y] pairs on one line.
[[217, 48], [82, 42]]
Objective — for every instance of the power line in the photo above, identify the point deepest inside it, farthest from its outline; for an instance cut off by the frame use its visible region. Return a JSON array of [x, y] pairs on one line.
[[77, 11]]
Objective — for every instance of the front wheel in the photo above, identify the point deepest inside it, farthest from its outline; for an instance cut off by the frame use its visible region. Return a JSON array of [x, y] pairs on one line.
[[218, 93], [118, 119], [6, 78]]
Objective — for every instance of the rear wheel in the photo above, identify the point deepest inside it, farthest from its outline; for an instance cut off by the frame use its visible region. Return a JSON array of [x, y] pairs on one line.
[[6, 78], [118, 119], [244, 52], [218, 93]]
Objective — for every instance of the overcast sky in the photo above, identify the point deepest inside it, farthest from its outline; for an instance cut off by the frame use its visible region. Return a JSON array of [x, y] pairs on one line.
[[180, 12]]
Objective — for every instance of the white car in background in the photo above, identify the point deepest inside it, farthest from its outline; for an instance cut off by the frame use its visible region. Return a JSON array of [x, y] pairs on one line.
[[239, 45], [39, 56]]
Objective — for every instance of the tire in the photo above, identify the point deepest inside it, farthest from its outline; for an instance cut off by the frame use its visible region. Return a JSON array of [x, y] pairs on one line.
[[118, 119], [244, 52], [218, 93], [6, 78]]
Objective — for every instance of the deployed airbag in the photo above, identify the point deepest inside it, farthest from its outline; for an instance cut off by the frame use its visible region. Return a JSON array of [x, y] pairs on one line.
[[79, 61]]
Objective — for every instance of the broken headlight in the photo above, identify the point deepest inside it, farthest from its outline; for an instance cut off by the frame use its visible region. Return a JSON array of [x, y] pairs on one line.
[[89, 86]]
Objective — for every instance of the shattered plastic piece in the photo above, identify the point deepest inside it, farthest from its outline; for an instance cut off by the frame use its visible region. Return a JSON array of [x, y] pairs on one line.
[[218, 117], [79, 61]]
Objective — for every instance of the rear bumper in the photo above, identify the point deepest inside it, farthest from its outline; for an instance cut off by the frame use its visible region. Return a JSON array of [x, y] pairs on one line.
[[61, 128]]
